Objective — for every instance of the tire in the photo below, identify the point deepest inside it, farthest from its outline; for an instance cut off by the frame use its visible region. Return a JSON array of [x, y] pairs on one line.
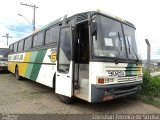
[[65, 99], [17, 74], [54, 82]]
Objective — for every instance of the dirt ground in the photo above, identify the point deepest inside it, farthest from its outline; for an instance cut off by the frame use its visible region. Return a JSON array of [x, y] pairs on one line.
[[28, 97]]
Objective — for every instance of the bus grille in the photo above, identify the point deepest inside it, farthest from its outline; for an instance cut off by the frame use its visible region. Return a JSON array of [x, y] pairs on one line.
[[127, 79]]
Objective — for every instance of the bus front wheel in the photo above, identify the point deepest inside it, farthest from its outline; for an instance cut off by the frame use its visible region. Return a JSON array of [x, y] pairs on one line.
[[65, 99]]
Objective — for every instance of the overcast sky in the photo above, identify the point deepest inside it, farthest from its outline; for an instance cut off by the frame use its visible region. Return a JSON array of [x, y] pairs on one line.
[[144, 14]]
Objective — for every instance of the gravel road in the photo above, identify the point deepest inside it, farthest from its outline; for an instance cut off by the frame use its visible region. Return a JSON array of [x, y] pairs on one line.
[[28, 97]]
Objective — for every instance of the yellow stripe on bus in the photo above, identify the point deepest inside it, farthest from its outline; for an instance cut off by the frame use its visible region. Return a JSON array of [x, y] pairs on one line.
[[23, 66], [11, 66], [139, 69]]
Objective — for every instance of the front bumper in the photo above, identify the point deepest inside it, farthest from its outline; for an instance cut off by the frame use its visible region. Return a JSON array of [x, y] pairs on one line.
[[3, 67], [102, 93]]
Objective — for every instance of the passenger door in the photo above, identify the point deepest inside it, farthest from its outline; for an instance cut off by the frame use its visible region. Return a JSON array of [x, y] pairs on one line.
[[64, 84]]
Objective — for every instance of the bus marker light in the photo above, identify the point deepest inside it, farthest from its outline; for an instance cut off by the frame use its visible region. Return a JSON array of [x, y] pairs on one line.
[[100, 80], [107, 80], [111, 80]]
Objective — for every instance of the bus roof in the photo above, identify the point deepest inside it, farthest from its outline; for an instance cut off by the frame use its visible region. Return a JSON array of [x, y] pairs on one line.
[[60, 20], [113, 17], [92, 12]]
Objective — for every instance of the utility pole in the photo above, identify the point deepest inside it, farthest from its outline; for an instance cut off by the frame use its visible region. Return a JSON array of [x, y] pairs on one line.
[[148, 54], [34, 13], [7, 36]]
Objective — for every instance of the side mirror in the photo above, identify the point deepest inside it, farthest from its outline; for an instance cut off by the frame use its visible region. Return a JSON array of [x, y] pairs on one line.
[[93, 28]]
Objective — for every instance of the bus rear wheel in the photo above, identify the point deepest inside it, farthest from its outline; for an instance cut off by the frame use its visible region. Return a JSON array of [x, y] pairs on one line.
[[17, 74], [65, 99]]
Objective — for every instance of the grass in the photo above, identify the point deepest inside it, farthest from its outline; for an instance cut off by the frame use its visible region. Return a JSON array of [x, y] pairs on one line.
[[151, 85], [150, 92]]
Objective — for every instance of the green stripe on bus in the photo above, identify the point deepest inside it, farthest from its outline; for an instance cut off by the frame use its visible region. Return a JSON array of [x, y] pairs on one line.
[[130, 70], [131, 73], [30, 65], [36, 67], [132, 65]]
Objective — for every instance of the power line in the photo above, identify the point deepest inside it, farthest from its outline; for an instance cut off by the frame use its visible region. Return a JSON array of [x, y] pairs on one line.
[[7, 36], [34, 15]]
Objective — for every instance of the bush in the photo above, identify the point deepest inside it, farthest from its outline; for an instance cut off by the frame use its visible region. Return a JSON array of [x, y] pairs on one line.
[[151, 85], [146, 77], [154, 86]]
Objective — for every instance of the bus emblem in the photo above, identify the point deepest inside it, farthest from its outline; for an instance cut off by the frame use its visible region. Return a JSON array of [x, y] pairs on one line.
[[53, 56], [116, 73]]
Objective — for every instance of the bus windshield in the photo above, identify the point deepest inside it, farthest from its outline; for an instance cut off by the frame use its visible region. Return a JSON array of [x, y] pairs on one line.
[[129, 34], [109, 40], [4, 52]]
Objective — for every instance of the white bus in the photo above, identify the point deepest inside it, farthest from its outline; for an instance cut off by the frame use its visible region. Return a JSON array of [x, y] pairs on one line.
[[4, 58], [92, 56]]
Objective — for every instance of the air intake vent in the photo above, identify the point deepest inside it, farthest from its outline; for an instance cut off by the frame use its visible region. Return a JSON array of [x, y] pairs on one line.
[[81, 17]]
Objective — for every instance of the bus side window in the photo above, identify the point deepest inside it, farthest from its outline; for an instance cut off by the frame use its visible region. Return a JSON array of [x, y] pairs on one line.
[[11, 48], [25, 44], [28, 43], [20, 45], [38, 39], [52, 35], [15, 47], [47, 36], [35, 40]]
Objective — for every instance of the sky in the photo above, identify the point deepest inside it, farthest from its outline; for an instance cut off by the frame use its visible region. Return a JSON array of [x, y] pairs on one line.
[[144, 14]]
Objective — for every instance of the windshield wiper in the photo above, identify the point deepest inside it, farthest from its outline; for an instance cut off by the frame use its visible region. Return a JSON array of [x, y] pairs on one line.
[[119, 52], [133, 51]]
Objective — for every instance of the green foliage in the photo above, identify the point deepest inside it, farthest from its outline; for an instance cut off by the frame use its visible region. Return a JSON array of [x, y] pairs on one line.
[[154, 86], [146, 77], [151, 85], [150, 92]]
